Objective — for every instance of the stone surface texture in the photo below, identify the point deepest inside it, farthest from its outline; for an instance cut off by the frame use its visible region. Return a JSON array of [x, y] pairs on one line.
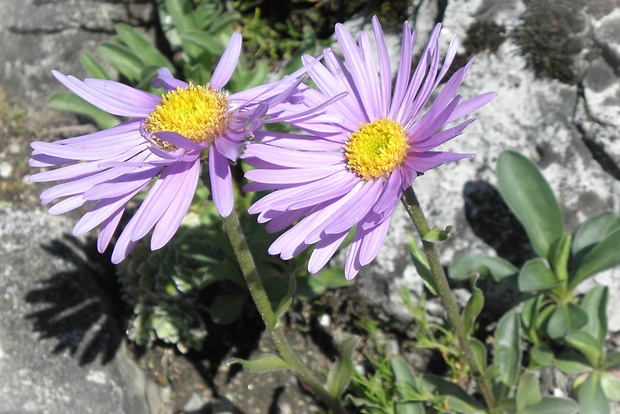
[[59, 349]]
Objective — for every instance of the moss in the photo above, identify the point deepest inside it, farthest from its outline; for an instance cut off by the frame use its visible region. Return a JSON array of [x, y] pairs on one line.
[[484, 35], [549, 39], [274, 28]]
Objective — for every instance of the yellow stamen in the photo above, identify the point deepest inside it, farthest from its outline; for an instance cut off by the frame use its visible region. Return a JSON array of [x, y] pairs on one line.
[[199, 113], [376, 148]]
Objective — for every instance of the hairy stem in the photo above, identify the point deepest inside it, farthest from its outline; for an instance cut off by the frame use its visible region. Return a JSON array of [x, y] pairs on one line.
[[416, 214]]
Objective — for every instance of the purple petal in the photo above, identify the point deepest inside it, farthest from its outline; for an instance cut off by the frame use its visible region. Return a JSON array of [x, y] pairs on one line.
[[371, 241], [439, 138], [178, 140], [470, 105], [221, 182], [165, 80], [108, 228], [68, 204], [124, 244], [352, 265], [324, 251], [385, 71], [425, 161], [108, 103], [227, 148], [172, 218], [404, 69], [228, 62]]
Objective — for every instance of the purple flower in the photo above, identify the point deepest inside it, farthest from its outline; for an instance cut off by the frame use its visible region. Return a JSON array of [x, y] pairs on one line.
[[159, 147], [361, 152]]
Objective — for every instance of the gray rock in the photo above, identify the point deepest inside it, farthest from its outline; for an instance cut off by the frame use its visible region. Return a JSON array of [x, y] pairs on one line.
[[41, 35], [60, 351]]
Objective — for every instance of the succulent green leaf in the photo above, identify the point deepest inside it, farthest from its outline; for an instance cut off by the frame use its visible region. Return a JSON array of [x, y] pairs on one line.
[[508, 353], [421, 266], [558, 257], [591, 397], [595, 305], [226, 309], [480, 354], [333, 278], [456, 398], [206, 13], [473, 307], [436, 234], [603, 256], [69, 102], [541, 355], [224, 22], [536, 275], [123, 59], [592, 232], [573, 363], [410, 407], [610, 383], [528, 393], [264, 363], [587, 345], [465, 265], [612, 360], [340, 373], [529, 315], [142, 47], [529, 196], [566, 318], [94, 69], [553, 405]]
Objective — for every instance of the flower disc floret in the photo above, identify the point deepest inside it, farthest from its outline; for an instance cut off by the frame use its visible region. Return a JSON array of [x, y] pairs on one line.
[[376, 148], [199, 113]]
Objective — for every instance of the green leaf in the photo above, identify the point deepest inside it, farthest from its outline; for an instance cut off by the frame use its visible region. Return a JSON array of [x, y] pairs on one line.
[[333, 278], [541, 355], [529, 317], [226, 309], [529, 196], [456, 398], [123, 60], [587, 345], [405, 379], [62, 101], [142, 47], [595, 305], [592, 232], [465, 265], [566, 318], [591, 396], [182, 14], [480, 354], [610, 383], [612, 360], [340, 373], [436, 234], [536, 275], [205, 41], [94, 69], [528, 393], [508, 353], [264, 363], [554, 405], [473, 307], [224, 22], [572, 363], [421, 266], [603, 256], [559, 255]]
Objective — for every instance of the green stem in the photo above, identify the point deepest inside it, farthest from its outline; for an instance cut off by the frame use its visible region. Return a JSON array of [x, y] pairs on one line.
[[233, 230], [416, 214]]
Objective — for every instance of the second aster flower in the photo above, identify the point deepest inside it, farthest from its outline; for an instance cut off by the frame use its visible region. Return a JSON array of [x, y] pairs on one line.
[[160, 146], [360, 154]]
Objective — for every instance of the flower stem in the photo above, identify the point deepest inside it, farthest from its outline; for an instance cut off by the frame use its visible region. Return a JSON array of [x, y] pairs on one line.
[[416, 214], [233, 230]]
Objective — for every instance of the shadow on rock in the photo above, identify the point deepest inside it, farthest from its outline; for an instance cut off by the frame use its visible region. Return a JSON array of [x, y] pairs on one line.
[[493, 222], [81, 308]]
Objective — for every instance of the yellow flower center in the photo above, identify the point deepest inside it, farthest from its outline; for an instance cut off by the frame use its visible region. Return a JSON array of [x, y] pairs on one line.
[[376, 148], [199, 113]]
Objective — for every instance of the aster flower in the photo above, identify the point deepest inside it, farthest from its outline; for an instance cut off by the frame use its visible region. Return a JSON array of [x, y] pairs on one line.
[[360, 153], [160, 146]]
